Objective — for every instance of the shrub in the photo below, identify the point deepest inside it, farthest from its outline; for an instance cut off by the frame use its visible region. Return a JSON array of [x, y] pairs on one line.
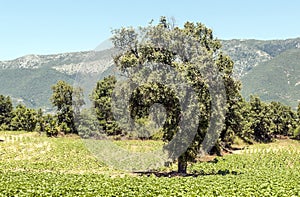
[[297, 133]]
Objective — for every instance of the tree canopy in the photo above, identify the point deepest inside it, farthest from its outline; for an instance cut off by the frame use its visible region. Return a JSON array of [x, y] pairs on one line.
[[62, 98], [193, 52]]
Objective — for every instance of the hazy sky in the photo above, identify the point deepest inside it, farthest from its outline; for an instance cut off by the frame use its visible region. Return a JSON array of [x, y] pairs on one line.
[[54, 26]]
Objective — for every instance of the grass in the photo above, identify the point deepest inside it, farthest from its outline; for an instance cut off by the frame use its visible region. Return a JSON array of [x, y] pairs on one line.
[[139, 146], [34, 165], [32, 152]]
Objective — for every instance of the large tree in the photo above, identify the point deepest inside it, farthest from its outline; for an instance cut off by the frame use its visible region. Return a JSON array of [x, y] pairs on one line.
[[189, 50], [62, 99]]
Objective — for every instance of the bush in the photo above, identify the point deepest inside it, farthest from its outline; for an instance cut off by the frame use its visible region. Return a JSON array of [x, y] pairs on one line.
[[23, 119], [4, 127], [63, 128], [51, 126], [297, 133]]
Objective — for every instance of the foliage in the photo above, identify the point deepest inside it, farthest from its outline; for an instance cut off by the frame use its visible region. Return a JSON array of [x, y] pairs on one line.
[[264, 121], [5, 111], [259, 121], [188, 50], [88, 125], [144, 97], [50, 125], [78, 101], [242, 129], [40, 122], [284, 119], [23, 119], [297, 133], [101, 98], [298, 114], [62, 99]]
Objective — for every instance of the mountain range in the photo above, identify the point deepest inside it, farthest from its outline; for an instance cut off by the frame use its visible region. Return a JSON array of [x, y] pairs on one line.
[[267, 68]]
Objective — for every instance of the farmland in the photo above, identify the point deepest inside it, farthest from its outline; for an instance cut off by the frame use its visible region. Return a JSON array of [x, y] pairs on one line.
[[34, 165]]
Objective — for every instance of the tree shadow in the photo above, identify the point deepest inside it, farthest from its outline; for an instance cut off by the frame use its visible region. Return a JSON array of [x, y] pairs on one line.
[[196, 174]]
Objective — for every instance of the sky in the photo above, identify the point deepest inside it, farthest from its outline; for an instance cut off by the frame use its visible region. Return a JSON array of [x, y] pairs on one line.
[[57, 26]]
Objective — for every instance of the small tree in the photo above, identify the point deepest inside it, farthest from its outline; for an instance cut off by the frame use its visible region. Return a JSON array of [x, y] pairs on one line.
[[283, 117], [101, 98], [62, 99], [5, 111], [40, 122], [260, 120], [88, 126], [78, 101]]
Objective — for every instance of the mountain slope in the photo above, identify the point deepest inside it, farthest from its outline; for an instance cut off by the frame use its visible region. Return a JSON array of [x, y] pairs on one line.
[[247, 54], [31, 86], [28, 79], [269, 69], [276, 80]]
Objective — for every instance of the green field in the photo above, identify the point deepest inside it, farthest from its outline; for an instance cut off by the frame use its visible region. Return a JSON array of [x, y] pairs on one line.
[[34, 165]]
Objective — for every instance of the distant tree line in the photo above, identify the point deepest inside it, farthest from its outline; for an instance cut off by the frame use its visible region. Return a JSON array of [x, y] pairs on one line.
[[65, 98], [253, 120]]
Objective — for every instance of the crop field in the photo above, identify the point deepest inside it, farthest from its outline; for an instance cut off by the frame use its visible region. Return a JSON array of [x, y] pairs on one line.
[[34, 165]]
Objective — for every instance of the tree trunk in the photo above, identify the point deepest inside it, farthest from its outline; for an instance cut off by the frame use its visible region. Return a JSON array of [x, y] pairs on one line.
[[182, 165]]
